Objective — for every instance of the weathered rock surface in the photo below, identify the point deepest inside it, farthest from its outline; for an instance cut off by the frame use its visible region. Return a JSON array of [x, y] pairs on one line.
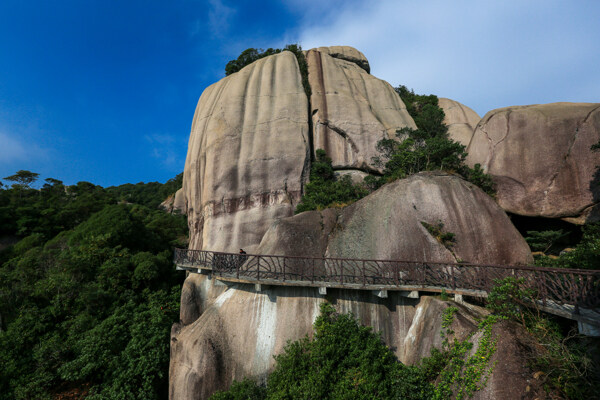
[[540, 158], [351, 111], [239, 333], [461, 120], [346, 53], [175, 203], [248, 154], [388, 224]]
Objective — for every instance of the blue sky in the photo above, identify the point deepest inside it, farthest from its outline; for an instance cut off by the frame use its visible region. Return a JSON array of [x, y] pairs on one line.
[[105, 91]]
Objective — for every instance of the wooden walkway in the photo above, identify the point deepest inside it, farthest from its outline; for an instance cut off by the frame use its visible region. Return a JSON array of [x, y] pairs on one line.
[[569, 293]]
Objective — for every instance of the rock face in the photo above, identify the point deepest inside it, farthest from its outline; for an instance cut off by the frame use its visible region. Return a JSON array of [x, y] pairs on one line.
[[248, 154], [461, 120], [175, 203], [388, 224], [351, 110], [346, 53], [540, 158], [248, 159]]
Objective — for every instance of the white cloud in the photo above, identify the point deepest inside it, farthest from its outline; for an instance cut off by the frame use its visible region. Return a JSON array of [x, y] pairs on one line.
[[219, 16], [13, 150], [483, 54], [168, 150]]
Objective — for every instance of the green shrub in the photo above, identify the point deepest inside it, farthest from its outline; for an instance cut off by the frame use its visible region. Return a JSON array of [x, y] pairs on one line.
[[426, 148], [244, 390], [586, 255], [325, 190]]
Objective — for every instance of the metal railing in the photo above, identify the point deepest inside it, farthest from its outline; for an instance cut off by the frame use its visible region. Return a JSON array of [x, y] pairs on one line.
[[575, 287]]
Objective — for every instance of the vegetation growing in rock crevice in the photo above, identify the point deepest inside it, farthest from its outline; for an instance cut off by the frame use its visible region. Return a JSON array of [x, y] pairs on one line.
[[447, 239], [89, 293], [325, 189], [426, 148], [456, 374]]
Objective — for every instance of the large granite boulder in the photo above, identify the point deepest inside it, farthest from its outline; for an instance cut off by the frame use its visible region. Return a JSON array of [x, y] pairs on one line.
[[391, 224], [540, 158], [351, 111], [248, 154], [461, 120]]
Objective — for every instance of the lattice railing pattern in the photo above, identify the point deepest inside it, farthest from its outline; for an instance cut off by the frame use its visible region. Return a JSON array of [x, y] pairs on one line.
[[575, 287]]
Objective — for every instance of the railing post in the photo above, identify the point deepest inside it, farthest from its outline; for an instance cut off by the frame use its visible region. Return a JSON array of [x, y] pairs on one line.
[[237, 269], [284, 258], [258, 269], [363, 274], [342, 272]]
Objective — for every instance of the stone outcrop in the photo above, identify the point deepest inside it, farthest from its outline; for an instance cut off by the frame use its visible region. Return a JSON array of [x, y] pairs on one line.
[[351, 111], [248, 154], [540, 159], [461, 120], [175, 203], [388, 224], [346, 53]]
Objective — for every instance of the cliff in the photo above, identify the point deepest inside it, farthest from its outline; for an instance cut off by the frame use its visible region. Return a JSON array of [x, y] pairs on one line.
[[249, 155]]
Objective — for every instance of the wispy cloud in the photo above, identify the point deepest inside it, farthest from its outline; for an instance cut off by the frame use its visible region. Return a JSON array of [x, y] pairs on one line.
[[219, 16], [484, 54], [169, 150], [12, 149]]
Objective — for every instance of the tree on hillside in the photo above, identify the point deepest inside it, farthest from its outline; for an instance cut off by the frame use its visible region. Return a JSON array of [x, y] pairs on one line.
[[23, 178]]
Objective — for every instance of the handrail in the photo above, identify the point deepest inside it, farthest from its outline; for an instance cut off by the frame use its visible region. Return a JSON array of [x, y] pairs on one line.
[[578, 288]]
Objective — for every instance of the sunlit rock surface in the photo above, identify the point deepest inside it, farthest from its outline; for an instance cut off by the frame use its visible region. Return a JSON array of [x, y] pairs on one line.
[[540, 158], [248, 154], [389, 224], [351, 111], [461, 120], [346, 53]]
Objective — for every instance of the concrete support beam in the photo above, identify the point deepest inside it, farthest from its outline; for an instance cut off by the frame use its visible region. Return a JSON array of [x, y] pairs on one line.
[[257, 287], [588, 329], [322, 290], [414, 294], [459, 298], [382, 294]]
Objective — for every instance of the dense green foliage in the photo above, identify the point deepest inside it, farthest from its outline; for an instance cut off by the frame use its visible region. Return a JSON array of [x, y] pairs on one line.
[[426, 148], [544, 241], [149, 194], [88, 294], [565, 362], [325, 189], [585, 255]]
